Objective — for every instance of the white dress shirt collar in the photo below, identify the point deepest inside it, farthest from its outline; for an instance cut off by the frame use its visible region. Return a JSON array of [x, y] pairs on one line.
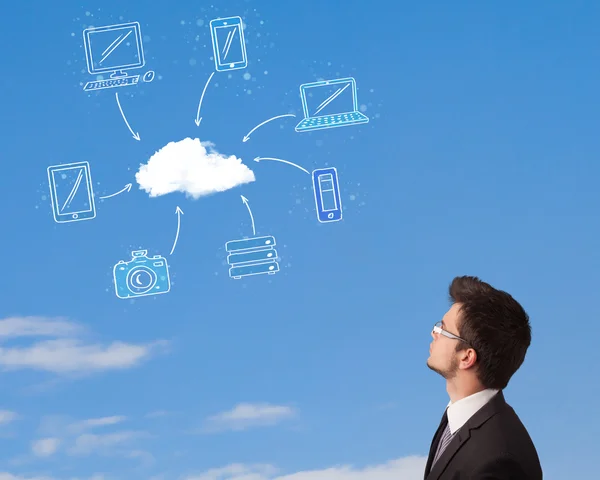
[[459, 412]]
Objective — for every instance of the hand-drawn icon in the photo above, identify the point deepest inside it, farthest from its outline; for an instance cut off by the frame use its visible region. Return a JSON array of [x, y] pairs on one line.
[[329, 104], [252, 256], [148, 76], [114, 49], [327, 195], [229, 46], [71, 192], [141, 276]]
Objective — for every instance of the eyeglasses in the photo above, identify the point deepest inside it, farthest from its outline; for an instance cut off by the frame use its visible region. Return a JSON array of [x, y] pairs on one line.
[[437, 328]]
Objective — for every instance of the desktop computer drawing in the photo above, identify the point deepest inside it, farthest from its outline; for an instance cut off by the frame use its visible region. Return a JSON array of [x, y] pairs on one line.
[[252, 256], [329, 104], [113, 50]]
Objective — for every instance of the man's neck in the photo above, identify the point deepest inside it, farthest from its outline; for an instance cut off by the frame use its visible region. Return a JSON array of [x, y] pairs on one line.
[[457, 392]]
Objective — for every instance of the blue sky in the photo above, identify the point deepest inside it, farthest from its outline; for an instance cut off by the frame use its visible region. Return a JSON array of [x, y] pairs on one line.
[[480, 158]]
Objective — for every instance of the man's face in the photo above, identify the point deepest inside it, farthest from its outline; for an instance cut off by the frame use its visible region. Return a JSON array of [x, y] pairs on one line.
[[443, 357]]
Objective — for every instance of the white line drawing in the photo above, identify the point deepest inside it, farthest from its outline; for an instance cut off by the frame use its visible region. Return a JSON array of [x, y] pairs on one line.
[[327, 195], [245, 200], [198, 117], [338, 97], [259, 159], [127, 188], [229, 46], [252, 256], [134, 135], [114, 49], [141, 276], [179, 213], [71, 192], [247, 136]]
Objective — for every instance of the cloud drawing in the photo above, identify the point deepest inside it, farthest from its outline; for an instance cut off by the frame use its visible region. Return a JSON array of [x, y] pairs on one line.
[[191, 167]]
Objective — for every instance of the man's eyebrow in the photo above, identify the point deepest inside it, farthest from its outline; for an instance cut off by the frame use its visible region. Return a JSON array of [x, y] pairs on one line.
[[443, 324]]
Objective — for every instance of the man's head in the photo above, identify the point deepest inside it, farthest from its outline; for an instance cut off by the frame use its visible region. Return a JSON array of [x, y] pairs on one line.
[[483, 337]]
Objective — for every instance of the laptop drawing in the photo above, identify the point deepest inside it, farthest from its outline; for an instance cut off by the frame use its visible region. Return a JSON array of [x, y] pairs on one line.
[[329, 104]]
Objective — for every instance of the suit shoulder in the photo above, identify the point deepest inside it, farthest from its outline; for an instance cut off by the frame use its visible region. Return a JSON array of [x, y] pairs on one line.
[[505, 433]]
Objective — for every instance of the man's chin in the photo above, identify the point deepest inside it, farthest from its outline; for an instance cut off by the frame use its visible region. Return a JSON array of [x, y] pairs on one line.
[[434, 368]]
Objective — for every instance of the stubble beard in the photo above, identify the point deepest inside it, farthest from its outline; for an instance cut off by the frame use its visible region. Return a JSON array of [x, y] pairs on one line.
[[447, 373]]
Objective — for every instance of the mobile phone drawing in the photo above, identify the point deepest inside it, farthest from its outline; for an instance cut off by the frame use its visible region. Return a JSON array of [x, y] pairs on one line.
[[71, 192], [229, 46], [327, 195]]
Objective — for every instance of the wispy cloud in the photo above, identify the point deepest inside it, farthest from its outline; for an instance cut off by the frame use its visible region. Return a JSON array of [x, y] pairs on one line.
[[66, 351], [246, 415], [45, 447], [6, 417], [14, 327], [79, 438], [237, 471], [104, 444], [10, 476], [406, 468], [95, 422]]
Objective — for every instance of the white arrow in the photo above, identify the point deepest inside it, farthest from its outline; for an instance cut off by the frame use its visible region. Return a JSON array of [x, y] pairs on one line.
[[258, 159], [245, 200], [247, 137], [179, 212], [127, 188], [198, 117], [135, 135]]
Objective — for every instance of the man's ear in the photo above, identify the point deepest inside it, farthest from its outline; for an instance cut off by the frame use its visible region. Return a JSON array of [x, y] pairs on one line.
[[467, 358]]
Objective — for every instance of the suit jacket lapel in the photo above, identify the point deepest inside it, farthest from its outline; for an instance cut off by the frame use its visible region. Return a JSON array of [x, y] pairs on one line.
[[462, 436], [435, 441]]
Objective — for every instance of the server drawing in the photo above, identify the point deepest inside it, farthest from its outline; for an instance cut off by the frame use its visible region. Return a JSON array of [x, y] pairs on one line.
[[252, 256]]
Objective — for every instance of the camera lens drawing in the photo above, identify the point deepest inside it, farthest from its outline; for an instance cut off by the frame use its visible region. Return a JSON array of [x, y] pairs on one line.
[[115, 50], [141, 276]]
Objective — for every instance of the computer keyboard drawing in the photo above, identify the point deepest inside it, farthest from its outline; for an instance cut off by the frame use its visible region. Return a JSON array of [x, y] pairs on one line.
[[129, 80]]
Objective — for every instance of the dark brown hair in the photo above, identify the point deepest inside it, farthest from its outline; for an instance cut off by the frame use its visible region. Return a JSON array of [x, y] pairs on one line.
[[495, 325]]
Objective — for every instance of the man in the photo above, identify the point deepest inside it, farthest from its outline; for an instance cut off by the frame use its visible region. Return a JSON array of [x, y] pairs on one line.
[[477, 347]]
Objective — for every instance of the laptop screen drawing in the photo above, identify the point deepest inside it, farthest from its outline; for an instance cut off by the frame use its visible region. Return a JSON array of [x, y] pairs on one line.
[[329, 99]]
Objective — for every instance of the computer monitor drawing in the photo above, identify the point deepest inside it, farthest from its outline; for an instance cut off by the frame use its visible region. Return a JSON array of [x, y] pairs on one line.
[[328, 104], [113, 49]]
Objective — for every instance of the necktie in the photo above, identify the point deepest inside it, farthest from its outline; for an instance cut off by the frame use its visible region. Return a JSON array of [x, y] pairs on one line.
[[444, 441]]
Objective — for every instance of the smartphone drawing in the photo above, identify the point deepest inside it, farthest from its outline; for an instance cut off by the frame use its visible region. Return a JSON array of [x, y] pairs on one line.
[[327, 194], [228, 42], [71, 192]]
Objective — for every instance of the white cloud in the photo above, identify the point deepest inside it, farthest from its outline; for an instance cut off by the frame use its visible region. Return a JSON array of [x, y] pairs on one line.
[[191, 167], [105, 444], [6, 416], [10, 476], [237, 471], [406, 468], [13, 327], [96, 422], [245, 415], [67, 352], [45, 447]]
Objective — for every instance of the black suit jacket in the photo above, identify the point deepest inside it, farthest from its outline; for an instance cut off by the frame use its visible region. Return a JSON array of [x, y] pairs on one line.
[[492, 445]]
